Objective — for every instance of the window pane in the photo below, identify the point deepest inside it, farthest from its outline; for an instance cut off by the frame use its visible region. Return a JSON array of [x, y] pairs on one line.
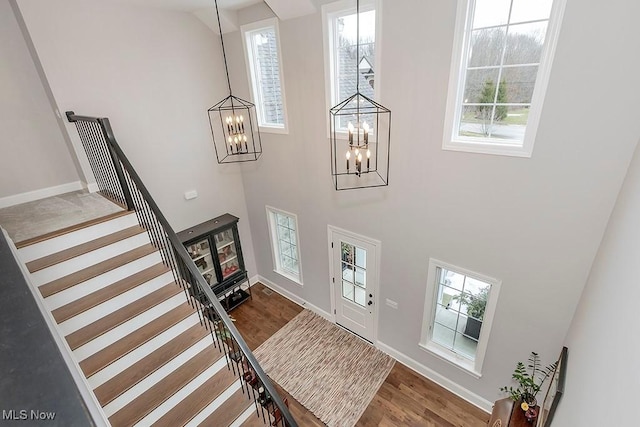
[[476, 121], [530, 10], [525, 43], [360, 296], [490, 13], [443, 335], [453, 279], [282, 219], [266, 75], [347, 252], [361, 257], [347, 272], [487, 46], [360, 277], [347, 291], [518, 84], [448, 297], [480, 86]]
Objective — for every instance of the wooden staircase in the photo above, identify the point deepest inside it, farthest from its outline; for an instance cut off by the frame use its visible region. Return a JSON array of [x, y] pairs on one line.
[[135, 337]]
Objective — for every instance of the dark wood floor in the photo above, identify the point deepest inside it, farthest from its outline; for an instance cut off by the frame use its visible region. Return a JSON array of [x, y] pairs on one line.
[[405, 399]]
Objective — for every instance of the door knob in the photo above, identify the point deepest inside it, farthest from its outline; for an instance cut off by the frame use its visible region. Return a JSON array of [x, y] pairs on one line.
[[370, 302]]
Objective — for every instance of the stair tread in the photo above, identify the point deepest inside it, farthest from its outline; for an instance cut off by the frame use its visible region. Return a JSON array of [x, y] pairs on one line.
[[121, 315], [95, 270], [255, 420], [231, 409], [71, 229], [123, 346], [149, 364], [75, 251], [98, 297], [184, 412], [144, 404]]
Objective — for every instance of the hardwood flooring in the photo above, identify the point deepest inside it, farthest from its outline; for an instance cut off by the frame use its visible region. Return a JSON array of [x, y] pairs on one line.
[[405, 399]]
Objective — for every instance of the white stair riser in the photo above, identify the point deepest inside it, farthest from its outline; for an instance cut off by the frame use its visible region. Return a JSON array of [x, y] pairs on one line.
[[144, 385], [85, 288], [126, 328], [89, 259], [69, 240], [184, 392], [248, 413], [211, 408], [108, 307], [141, 352]]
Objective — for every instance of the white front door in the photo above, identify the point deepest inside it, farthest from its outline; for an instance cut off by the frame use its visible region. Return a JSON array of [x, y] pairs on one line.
[[354, 280]]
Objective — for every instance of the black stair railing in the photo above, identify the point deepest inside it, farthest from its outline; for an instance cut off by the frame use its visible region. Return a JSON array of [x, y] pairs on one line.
[[117, 180]]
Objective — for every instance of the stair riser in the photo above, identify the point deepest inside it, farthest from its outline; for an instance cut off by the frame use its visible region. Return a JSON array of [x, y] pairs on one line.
[[198, 419], [126, 328], [85, 288], [60, 243], [144, 385], [139, 353], [107, 307], [183, 393], [65, 268]]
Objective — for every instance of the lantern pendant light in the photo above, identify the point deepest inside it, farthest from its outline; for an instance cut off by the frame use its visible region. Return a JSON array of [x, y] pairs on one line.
[[233, 121]]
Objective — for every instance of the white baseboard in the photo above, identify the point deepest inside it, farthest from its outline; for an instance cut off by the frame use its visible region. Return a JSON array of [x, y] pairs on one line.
[[92, 187], [293, 297], [426, 372], [43, 193], [432, 375]]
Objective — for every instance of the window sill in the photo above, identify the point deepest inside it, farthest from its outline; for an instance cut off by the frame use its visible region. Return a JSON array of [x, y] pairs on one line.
[[297, 280], [273, 129], [492, 148], [460, 362]]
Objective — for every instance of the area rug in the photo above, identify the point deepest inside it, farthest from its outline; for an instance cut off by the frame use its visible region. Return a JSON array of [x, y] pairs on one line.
[[331, 372]]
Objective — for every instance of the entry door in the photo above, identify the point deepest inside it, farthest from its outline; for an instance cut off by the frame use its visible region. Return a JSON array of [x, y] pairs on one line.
[[354, 281]]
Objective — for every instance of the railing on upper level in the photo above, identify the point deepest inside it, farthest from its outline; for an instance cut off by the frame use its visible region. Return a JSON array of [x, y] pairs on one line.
[[118, 181]]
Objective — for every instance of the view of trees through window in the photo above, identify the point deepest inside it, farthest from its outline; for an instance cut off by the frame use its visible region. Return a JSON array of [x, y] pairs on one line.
[[505, 48]]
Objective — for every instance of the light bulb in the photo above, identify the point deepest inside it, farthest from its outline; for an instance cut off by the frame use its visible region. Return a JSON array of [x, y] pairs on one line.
[[348, 155], [368, 154], [359, 157], [357, 152], [365, 126]]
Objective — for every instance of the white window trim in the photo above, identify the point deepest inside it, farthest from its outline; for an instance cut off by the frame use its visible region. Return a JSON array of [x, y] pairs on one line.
[[460, 50], [328, 12], [273, 236], [259, 25], [474, 368]]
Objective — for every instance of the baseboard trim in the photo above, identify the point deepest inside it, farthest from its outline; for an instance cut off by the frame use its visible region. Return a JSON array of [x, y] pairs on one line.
[[92, 187], [432, 375], [296, 299], [43, 193]]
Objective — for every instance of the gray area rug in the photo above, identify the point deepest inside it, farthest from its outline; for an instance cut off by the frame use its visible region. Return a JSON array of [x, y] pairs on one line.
[[331, 372]]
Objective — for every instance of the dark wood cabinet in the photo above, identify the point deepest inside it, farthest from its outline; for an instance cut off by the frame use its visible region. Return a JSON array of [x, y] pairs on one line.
[[214, 246], [507, 413]]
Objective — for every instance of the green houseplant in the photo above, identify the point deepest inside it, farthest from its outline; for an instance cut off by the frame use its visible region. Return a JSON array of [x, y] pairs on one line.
[[530, 379], [476, 305]]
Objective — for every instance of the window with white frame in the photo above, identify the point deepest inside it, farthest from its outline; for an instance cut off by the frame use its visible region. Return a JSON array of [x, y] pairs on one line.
[[459, 309], [502, 57], [283, 227], [262, 48], [346, 68]]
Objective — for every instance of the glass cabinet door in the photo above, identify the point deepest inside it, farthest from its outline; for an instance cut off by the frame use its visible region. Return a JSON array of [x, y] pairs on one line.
[[200, 253], [227, 253]]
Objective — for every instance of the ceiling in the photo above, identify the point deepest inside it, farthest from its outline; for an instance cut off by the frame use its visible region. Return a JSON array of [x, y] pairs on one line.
[[191, 5]]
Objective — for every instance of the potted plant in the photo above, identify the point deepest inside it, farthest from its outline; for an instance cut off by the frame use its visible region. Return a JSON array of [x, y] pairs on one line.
[[476, 304], [530, 379]]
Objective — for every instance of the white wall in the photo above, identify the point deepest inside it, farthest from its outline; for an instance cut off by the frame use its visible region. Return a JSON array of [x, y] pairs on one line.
[[533, 223], [603, 341], [34, 155], [154, 73]]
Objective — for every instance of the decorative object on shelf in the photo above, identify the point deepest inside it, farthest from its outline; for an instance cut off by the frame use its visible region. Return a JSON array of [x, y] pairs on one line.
[[530, 379], [476, 305], [360, 133], [234, 123]]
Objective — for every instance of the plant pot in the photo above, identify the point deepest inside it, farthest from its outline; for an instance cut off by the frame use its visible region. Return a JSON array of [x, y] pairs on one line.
[[472, 328]]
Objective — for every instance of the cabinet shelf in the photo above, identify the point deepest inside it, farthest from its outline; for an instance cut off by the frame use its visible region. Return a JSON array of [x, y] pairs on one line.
[[220, 239]]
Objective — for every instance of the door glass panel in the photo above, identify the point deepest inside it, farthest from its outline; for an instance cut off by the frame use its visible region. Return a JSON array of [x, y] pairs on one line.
[[227, 254], [347, 291], [353, 264], [200, 253]]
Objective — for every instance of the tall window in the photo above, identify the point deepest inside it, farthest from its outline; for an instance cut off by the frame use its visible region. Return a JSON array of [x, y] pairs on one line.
[[458, 314], [501, 65], [262, 49], [345, 67], [283, 227]]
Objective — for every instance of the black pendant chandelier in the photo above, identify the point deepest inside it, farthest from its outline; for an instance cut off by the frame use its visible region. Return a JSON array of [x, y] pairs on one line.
[[360, 133], [234, 123]]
